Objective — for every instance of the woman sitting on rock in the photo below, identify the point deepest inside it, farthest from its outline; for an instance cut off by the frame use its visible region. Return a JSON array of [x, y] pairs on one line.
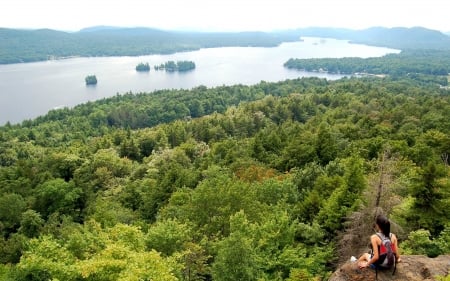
[[385, 253]]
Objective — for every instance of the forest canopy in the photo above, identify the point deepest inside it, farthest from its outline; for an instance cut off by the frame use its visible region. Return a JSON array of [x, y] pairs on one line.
[[262, 182], [425, 65], [172, 66], [143, 67]]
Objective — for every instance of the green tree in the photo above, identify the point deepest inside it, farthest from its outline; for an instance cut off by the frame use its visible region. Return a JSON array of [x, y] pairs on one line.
[[63, 165], [119, 255], [59, 196], [168, 236], [46, 259], [143, 67], [216, 199], [129, 149], [429, 191], [11, 249], [195, 263], [326, 145], [345, 198], [299, 152], [31, 223], [236, 259], [109, 212], [419, 243], [11, 208], [91, 80]]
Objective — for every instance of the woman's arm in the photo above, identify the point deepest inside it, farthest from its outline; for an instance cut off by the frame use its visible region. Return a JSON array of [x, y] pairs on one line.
[[374, 242]]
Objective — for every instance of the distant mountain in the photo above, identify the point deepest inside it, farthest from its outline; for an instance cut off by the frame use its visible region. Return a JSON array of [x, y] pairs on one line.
[[404, 38], [43, 44], [398, 37], [36, 45], [98, 28]]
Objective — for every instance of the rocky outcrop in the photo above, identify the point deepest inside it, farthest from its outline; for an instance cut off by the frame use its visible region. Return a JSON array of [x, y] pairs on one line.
[[411, 268]]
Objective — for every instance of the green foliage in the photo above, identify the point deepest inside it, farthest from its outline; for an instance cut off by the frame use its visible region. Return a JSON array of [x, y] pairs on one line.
[[91, 80], [109, 212], [119, 255], [11, 249], [440, 278], [5, 272], [326, 146], [419, 243], [345, 198], [171, 66], [235, 259], [443, 240], [424, 66], [11, 208], [297, 274], [168, 237], [195, 263], [429, 191], [31, 223], [58, 196], [143, 67], [217, 198], [44, 44], [156, 185], [46, 259]]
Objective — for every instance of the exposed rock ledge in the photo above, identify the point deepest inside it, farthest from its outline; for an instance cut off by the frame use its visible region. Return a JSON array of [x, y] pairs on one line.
[[412, 268]]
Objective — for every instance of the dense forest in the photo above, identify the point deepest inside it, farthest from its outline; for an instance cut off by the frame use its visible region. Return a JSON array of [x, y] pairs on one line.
[[37, 45], [44, 44], [276, 181], [432, 66], [172, 66], [143, 67]]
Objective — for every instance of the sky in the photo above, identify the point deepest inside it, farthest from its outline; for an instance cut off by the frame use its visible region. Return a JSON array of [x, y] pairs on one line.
[[224, 15]]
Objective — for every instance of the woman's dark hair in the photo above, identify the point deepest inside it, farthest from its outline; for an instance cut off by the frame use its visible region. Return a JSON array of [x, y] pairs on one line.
[[384, 225]]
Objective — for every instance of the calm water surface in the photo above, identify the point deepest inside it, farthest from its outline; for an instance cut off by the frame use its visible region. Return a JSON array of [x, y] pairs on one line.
[[32, 89]]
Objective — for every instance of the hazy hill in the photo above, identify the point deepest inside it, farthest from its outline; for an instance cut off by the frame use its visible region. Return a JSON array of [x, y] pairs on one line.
[[398, 37], [43, 44], [36, 45], [404, 38], [98, 28]]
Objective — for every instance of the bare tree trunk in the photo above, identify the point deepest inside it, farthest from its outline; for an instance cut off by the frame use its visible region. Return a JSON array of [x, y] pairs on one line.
[[381, 181], [444, 157]]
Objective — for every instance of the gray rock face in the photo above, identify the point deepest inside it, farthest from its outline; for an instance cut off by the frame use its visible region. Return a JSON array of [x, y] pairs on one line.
[[411, 268]]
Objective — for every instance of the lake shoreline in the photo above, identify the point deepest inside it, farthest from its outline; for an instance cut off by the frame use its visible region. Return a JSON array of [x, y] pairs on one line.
[[29, 90]]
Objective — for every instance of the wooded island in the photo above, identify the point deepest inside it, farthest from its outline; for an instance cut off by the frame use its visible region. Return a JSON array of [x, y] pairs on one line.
[[91, 80], [172, 66], [143, 67]]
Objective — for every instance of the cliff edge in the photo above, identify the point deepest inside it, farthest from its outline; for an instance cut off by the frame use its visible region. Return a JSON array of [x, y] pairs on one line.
[[412, 268]]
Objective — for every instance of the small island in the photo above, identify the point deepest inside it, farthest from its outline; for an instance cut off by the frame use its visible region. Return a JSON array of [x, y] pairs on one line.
[[91, 80], [172, 66], [143, 67]]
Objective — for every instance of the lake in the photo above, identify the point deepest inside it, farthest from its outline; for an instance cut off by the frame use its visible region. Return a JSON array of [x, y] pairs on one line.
[[31, 89]]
